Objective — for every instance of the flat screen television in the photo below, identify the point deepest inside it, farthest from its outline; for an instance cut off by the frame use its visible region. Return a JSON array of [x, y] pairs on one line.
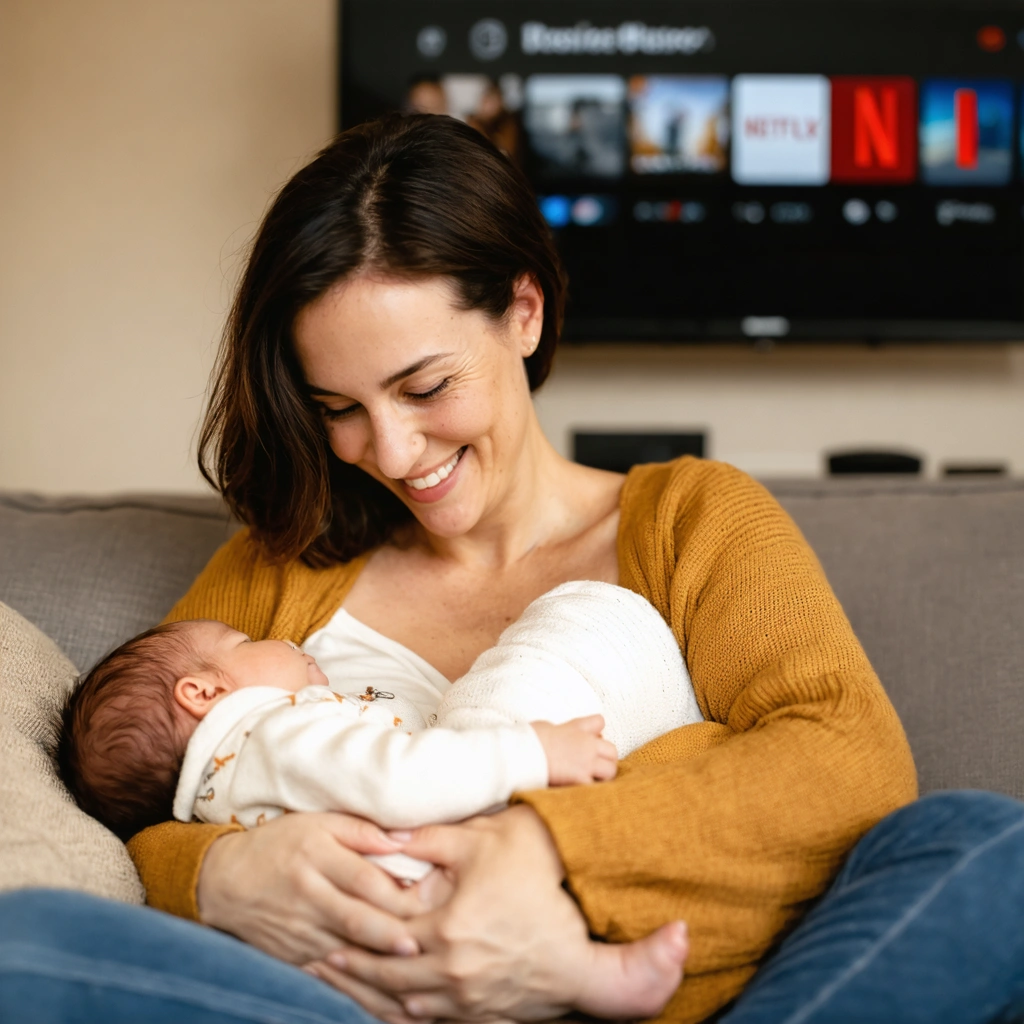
[[794, 169]]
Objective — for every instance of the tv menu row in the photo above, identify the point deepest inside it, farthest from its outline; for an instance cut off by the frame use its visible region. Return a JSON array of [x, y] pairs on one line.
[[795, 130]]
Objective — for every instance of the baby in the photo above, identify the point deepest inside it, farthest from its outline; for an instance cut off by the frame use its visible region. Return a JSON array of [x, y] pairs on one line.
[[196, 718]]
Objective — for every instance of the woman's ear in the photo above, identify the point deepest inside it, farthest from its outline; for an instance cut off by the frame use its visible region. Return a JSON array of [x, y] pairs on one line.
[[197, 694], [527, 320]]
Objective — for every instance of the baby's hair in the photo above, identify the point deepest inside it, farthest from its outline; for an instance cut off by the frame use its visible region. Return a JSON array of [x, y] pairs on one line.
[[121, 746]]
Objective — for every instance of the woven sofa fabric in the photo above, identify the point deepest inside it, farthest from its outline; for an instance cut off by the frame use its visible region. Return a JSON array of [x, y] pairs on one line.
[[932, 578], [45, 840], [92, 572]]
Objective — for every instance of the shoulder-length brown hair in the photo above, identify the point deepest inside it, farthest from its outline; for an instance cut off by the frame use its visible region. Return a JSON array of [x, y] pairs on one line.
[[420, 195]]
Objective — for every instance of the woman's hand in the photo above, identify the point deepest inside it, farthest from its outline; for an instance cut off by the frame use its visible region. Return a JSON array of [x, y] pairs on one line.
[[496, 947], [507, 941], [299, 888]]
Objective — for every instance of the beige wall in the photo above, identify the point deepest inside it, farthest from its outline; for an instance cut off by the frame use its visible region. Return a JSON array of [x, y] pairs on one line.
[[775, 414], [141, 141]]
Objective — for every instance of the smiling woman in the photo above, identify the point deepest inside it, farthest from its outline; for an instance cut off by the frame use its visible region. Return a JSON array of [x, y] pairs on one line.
[[342, 257], [446, 422]]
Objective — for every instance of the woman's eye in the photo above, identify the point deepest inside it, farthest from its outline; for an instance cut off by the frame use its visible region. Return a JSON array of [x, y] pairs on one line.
[[337, 414], [433, 391]]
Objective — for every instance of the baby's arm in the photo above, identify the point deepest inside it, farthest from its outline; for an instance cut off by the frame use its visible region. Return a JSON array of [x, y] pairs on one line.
[[334, 755]]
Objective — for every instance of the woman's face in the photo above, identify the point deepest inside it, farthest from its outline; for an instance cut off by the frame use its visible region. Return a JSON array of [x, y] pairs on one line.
[[429, 399]]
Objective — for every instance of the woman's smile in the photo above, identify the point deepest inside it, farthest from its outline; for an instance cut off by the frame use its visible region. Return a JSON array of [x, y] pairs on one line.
[[433, 486]]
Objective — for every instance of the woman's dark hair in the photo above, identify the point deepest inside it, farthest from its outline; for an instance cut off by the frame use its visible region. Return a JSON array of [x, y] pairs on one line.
[[414, 196]]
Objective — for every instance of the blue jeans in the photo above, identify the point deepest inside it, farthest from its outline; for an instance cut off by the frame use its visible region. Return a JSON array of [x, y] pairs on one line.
[[924, 923], [75, 959]]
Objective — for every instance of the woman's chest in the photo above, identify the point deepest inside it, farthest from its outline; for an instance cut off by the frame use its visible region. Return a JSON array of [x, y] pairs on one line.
[[448, 616]]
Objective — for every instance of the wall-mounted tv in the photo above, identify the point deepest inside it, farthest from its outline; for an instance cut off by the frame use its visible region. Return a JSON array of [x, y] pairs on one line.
[[802, 169]]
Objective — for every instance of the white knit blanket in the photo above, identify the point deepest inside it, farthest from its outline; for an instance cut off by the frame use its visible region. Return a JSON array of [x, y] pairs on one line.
[[583, 648]]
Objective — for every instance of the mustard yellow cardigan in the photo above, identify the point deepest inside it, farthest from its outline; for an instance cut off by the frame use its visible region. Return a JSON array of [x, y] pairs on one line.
[[734, 825]]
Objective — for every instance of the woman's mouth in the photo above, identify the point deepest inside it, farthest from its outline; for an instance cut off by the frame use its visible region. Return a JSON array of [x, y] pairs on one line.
[[431, 486]]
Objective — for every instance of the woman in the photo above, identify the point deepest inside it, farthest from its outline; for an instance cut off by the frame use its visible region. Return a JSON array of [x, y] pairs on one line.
[[372, 425]]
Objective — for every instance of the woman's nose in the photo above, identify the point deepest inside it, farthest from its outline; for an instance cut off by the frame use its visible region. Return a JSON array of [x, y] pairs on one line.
[[397, 443]]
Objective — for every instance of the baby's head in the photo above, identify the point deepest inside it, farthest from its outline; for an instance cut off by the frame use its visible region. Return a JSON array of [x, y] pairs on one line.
[[126, 725]]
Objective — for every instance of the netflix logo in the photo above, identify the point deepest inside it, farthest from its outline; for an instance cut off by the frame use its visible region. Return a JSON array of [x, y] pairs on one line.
[[874, 129], [781, 130]]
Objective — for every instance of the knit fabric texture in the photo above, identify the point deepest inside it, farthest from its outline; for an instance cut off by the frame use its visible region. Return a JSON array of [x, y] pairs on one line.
[[744, 818], [583, 648]]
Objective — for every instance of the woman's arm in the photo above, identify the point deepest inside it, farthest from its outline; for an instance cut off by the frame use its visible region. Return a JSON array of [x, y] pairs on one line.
[[740, 838]]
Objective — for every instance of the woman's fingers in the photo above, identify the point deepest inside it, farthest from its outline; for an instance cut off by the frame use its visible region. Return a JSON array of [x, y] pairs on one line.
[[430, 1005], [440, 844], [358, 922], [396, 975], [365, 881], [381, 1006], [360, 835]]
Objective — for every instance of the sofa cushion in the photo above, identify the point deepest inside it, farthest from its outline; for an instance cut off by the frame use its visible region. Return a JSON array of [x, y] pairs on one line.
[[931, 575], [45, 840], [92, 572]]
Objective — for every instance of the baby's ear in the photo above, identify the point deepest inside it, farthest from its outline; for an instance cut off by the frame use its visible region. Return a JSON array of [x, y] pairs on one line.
[[198, 693]]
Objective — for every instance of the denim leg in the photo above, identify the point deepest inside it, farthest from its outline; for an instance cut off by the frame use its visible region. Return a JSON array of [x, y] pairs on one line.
[[70, 958], [925, 923]]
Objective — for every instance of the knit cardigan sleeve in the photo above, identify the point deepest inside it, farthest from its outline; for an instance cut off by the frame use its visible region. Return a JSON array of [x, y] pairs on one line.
[[734, 825], [263, 599]]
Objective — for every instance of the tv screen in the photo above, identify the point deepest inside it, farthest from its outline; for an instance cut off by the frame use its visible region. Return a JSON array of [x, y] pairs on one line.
[[801, 169]]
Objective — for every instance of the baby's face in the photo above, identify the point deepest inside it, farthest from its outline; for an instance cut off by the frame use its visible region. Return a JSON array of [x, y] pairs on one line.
[[242, 662]]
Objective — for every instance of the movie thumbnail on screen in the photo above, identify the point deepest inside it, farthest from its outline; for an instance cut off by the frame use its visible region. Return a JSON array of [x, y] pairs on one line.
[[966, 132], [576, 125], [678, 124]]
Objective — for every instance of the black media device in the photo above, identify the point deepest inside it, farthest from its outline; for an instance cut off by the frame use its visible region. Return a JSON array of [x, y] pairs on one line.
[[619, 452], [845, 170]]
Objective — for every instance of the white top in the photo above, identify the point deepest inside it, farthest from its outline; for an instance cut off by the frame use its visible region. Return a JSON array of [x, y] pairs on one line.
[[353, 656]]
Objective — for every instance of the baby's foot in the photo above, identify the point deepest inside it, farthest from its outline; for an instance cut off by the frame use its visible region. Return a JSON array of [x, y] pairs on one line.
[[634, 979]]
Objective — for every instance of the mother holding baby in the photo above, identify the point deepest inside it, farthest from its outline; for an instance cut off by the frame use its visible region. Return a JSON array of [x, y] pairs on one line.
[[371, 424]]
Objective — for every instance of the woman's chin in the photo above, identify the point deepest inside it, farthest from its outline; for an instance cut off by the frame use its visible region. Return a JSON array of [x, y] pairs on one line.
[[448, 522]]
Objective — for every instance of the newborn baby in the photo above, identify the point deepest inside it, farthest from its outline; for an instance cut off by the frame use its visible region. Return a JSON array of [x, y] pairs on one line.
[[197, 718]]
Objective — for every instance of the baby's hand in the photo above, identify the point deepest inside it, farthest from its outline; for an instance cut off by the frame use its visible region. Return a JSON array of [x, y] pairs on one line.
[[575, 751]]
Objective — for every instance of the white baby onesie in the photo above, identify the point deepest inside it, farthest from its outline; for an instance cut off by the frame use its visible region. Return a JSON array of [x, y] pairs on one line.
[[263, 750], [583, 648]]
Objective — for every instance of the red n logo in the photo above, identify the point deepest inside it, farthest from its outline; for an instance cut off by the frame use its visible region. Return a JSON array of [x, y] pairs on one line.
[[874, 129]]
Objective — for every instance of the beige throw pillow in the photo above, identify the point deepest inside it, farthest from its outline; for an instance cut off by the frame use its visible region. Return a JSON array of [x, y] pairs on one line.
[[45, 840]]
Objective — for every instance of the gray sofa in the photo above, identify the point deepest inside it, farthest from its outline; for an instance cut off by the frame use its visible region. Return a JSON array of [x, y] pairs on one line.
[[931, 575]]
